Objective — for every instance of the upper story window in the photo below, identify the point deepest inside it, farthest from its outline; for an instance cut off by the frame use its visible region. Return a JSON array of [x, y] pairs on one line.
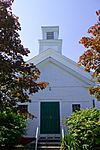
[[50, 35], [75, 107]]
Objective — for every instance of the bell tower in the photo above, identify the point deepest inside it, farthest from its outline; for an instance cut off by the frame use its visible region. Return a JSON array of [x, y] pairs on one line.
[[50, 39]]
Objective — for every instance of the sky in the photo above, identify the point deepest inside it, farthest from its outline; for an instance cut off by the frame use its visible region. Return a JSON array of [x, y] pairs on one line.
[[73, 17]]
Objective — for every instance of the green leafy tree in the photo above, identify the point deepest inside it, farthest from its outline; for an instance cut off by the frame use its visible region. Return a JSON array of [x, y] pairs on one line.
[[91, 57], [12, 127], [17, 79], [83, 130]]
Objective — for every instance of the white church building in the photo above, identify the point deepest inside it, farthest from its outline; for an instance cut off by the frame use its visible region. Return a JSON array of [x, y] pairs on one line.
[[67, 90]]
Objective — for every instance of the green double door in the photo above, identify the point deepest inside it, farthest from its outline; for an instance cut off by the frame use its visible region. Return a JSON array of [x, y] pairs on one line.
[[49, 118]]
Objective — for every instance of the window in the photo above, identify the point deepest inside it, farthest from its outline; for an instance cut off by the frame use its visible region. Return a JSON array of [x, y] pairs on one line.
[[75, 107], [23, 108], [50, 35]]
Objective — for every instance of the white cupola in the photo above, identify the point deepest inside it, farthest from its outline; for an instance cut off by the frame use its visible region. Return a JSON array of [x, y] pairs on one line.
[[50, 35]]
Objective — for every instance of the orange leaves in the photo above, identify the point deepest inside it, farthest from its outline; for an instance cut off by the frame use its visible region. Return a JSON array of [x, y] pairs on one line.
[[43, 85], [95, 91], [27, 83], [96, 44], [90, 60], [95, 30], [91, 57], [82, 41], [86, 41]]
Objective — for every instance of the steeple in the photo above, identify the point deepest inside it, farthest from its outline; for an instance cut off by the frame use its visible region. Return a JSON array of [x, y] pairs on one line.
[[50, 39]]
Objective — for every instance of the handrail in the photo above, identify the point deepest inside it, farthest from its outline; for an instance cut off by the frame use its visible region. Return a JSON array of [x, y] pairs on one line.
[[62, 133], [37, 133]]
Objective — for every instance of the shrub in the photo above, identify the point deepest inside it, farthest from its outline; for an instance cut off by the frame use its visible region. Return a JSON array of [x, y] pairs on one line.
[[68, 143], [12, 127], [83, 127]]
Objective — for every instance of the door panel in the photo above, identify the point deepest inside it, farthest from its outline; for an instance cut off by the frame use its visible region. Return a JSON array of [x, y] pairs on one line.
[[49, 118]]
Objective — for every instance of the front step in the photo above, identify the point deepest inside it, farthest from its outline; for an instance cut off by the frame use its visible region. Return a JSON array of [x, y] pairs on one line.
[[47, 144], [49, 148]]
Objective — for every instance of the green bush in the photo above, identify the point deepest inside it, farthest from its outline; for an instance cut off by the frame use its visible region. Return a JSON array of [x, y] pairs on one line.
[[68, 143], [12, 127], [82, 130]]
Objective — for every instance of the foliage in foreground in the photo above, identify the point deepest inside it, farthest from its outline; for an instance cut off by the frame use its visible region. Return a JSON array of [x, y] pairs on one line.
[[12, 127], [82, 130], [91, 57], [17, 79]]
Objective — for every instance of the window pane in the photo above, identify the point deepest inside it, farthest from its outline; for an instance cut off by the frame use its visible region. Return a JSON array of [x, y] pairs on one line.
[[50, 35], [23, 107], [75, 107]]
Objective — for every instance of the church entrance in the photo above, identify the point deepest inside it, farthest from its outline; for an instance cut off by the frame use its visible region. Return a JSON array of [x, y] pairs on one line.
[[49, 118]]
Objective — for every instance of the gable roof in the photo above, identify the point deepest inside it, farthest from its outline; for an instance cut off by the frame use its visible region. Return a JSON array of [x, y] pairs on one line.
[[62, 61]]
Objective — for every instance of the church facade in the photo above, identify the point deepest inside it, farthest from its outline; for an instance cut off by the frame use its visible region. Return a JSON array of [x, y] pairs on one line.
[[67, 90]]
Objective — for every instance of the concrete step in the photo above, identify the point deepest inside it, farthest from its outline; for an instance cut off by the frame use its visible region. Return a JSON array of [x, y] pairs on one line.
[[49, 145], [46, 144]]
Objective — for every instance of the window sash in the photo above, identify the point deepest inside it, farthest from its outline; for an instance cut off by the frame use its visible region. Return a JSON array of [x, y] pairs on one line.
[[75, 107], [50, 35]]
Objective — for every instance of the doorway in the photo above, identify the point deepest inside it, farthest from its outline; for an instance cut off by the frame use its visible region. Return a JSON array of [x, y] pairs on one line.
[[49, 118]]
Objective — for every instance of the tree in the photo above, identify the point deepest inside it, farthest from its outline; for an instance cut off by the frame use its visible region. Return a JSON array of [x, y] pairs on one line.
[[82, 130], [17, 79], [91, 57]]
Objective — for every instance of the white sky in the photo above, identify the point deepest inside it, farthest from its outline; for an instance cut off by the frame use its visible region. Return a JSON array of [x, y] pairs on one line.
[[73, 17]]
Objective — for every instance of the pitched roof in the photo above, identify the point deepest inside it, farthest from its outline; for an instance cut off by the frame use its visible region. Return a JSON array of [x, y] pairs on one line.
[[60, 59]]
